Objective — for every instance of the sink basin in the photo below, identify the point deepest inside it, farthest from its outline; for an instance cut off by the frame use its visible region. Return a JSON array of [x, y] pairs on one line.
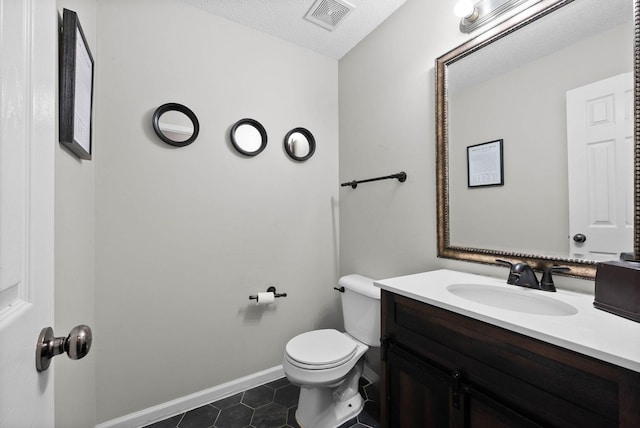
[[518, 300]]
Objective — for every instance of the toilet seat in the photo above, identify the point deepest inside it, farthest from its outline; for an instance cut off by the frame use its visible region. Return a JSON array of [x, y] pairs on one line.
[[320, 349]]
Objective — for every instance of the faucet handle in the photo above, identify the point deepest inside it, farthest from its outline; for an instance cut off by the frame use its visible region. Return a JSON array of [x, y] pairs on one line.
[[512, 275], [546, 283], [516, 272], [505, 262], [525, 276]]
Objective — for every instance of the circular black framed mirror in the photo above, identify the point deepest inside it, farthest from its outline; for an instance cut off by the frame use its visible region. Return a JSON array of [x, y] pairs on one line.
[[299, 144], [175, 124], [248, 136]]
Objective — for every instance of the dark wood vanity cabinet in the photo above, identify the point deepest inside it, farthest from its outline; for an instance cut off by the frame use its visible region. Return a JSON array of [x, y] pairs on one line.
[[442, 369]]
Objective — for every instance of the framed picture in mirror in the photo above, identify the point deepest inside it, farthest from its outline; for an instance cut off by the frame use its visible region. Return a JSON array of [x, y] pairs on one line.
[[485, 164]]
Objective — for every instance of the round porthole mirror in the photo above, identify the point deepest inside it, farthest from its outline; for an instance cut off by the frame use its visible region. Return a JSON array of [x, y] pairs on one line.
[[299, 144], [175, 124], [248, 136]]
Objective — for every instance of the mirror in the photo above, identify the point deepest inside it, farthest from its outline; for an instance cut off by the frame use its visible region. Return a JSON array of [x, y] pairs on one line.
[[175, 124], [248, 136], [299, 144], [516, 82]]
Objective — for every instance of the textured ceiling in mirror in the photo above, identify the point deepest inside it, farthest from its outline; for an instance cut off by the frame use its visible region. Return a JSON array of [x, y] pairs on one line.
[[564, 27]]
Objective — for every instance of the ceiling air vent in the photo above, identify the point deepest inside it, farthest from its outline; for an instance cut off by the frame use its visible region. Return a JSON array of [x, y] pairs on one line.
[[328, 13]]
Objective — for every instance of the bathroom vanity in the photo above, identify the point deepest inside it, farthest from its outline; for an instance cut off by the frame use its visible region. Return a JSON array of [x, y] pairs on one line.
[[522, 358]]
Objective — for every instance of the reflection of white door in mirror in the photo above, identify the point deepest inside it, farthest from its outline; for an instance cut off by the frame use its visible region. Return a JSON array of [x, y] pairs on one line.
[[600, 158]]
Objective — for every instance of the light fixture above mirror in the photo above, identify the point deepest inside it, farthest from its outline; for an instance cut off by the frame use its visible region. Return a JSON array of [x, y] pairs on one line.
[[476, 14]]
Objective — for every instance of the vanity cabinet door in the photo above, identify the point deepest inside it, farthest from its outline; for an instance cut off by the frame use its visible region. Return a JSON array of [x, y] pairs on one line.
[[418, 395], [423, 395], [482, 411]]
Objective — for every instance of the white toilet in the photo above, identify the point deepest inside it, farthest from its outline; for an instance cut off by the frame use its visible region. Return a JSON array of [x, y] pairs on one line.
[[327, 364]]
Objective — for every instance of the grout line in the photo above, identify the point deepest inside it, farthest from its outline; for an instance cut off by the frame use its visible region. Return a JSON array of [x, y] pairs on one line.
[[288, 423]]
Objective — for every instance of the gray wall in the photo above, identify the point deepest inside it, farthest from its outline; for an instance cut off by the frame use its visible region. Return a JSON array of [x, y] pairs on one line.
[[387, 124], [185, 235], [75, 385]]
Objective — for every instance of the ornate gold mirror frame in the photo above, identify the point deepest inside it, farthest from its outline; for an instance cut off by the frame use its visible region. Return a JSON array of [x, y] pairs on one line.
[[579, 268]]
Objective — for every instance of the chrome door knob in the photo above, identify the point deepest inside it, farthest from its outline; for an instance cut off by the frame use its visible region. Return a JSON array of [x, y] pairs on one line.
[[77, 344]]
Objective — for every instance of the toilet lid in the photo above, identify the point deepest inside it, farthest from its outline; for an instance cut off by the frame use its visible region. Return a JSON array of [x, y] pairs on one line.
[[321, 348]]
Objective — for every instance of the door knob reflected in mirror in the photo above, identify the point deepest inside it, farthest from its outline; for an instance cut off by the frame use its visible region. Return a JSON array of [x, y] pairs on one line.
[[579, 238], [77, 344]]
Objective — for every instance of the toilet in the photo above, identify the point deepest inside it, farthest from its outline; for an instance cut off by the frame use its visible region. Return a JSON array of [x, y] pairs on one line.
[[327, 364]]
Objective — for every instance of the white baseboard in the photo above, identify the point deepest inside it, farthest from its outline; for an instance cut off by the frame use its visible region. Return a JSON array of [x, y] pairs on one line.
[[193, 401], [370, 375]]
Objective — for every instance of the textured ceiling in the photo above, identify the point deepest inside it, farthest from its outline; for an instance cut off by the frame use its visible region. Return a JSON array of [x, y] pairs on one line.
[[285, 19]]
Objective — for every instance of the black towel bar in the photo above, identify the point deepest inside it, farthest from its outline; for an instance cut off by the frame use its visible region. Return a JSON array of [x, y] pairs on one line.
[[401, 176]]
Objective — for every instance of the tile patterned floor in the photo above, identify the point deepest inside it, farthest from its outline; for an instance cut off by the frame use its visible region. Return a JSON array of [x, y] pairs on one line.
[[272, 405]]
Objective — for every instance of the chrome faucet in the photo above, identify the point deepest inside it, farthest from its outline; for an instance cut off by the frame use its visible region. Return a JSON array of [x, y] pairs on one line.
[[521, 274]]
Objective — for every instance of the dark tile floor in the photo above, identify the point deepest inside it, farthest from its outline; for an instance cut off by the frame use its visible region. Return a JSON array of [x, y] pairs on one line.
[[272, 405]]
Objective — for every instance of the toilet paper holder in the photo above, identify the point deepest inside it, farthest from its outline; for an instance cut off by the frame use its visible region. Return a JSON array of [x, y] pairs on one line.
[[271, 289]]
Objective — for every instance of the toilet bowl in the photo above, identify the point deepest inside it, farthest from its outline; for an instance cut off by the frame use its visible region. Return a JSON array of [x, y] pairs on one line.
[[327, 364]]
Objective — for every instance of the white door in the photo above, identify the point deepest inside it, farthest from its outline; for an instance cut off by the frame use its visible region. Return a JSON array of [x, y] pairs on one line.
[[28, 73], [600, 151]]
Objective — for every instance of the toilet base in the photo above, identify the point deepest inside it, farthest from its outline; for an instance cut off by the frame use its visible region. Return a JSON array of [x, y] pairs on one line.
[[331, 416], [330, 407]]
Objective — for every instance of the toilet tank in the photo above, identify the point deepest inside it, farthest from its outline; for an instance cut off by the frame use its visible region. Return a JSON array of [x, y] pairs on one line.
[[361, 308]]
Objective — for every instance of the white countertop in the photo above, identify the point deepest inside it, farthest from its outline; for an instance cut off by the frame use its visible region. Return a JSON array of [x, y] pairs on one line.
[[590, 331]]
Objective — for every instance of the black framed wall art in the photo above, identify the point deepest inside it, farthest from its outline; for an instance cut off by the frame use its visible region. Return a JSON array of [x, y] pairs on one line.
[[76, 87]]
